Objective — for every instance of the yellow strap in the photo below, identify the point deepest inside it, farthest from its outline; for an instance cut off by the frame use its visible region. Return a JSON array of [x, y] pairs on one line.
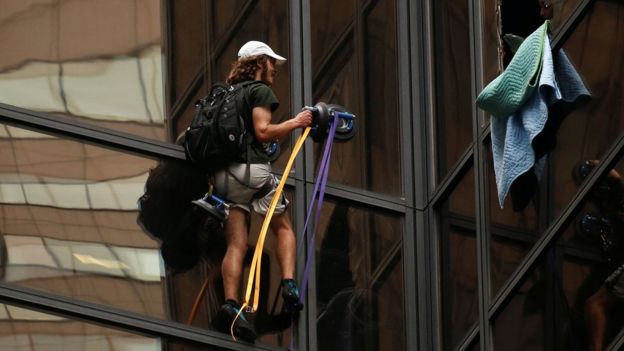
[[256, 261]]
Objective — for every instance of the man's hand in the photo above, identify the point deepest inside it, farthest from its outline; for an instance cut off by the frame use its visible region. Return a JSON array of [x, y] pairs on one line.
[[303, 119]]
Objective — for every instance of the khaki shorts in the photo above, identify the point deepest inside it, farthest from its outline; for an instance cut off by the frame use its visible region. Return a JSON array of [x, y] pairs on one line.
[[247, 188]]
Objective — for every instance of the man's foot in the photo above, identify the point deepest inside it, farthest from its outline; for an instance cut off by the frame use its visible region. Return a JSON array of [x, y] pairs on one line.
[[290, 294], [243, 329]]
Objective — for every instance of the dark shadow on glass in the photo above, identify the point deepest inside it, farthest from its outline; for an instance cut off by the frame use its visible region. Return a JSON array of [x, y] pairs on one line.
[[359, 304], [190, 235]]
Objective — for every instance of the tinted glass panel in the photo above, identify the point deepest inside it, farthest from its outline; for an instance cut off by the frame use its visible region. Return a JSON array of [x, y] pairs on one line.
[[360, 75], [594, 48], [591, 251], [492, 59], [360, 302], [224, 14], [69, 223], [268, 22], [572, 300], [458, 261], [581, 136], [453, 101], [521, 323], [28, 330], [95, 61], [69, 226], [513, 233], [560, 11]]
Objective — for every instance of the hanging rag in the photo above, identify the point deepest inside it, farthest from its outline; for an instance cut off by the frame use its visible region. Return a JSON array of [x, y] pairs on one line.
[[521, 140], [510, 90]]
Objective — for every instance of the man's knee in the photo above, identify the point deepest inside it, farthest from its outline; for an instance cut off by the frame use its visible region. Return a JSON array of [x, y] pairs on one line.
[[281, 222], [598, 302]]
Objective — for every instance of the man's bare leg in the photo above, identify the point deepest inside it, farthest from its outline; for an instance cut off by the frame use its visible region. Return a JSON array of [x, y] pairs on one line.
[[596, 318], [286, 244], [286, 257], [235, 229]]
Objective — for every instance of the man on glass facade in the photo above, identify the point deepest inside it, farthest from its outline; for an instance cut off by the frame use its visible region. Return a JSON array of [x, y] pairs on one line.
[[252, 185]]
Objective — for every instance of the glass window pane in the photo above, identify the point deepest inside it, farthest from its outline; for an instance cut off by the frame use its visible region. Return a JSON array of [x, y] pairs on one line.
[[591, 251], [360, 302], [95, 251], [268, 22], [492, 62], [521, 324], [572, 299], [224, 13], [453, 97], [362, 76], [90, 249], [581, 136], [458, 262], [36, 331], [512, 233], [587, 133], [561, 11], [94, 61]]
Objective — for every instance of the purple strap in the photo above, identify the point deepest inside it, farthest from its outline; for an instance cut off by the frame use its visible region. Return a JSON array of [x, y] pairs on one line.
[[323, 170], [319, 186], [323, 182]]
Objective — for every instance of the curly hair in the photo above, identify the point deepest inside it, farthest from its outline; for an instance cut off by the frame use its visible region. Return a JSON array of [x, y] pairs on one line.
[[244, 69]]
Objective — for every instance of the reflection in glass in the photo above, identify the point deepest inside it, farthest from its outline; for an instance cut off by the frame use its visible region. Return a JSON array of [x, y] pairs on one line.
[[560, 11], [458, 261], [492, 41], [362, 76], [513, 233], [95, 61], [594, 48], [573, 299], [360, 304], [521, 323], [30, 330], [68, 223], [452, 79], [592, 270]]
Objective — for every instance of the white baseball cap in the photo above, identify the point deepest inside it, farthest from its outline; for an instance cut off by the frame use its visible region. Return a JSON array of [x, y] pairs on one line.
[[255, 48]]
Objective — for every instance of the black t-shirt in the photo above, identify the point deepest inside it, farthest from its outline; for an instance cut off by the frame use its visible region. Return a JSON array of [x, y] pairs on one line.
[[258, 95]]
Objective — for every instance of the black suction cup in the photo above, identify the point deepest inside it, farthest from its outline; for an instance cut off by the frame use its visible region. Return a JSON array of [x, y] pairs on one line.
[[320, 119]]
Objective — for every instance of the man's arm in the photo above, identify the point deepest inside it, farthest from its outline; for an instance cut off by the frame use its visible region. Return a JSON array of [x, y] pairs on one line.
[[267, 132]]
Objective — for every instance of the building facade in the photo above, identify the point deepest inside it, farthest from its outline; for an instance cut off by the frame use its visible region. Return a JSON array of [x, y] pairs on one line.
[[413, 250]]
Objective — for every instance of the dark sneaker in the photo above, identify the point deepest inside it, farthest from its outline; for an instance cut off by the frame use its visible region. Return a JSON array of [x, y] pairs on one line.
[[290, 293], [243, 329]]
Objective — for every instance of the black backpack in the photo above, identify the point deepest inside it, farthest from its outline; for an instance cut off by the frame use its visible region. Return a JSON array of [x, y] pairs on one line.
[[218, 132]]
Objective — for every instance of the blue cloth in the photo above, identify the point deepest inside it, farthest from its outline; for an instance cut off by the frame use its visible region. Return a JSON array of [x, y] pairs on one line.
[[513, 136]]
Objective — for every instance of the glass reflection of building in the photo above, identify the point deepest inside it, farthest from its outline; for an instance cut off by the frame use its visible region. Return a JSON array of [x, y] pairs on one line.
[[412, 250]]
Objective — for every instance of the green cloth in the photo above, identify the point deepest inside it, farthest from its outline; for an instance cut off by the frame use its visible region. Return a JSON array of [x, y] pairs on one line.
[[258, 95], [507, 92]]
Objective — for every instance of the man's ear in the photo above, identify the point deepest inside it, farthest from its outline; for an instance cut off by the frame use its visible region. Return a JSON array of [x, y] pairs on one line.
[[260, 62]]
